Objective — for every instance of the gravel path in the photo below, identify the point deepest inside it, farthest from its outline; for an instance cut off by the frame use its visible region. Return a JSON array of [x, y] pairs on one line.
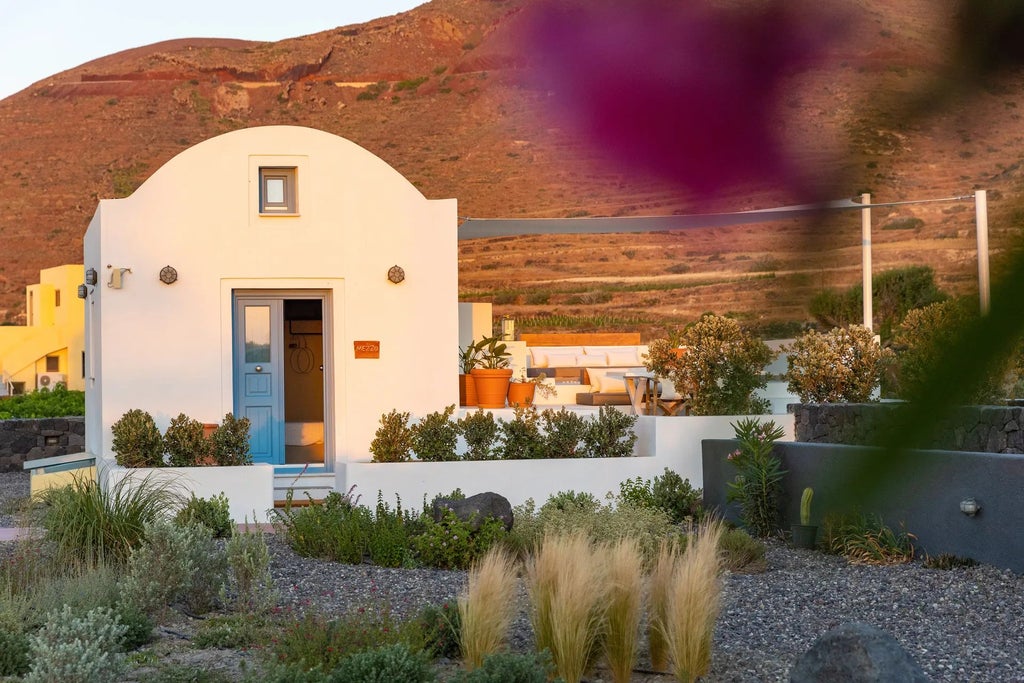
[[965, 624]]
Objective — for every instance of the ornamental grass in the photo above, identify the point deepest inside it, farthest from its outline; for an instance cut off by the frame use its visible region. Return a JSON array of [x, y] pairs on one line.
[[91, 524], [486, 607], [693, 602], [565, 580], [625, 579], [662, 572]]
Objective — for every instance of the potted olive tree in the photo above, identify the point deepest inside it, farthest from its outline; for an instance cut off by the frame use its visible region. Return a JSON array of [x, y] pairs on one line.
[[492, 373]]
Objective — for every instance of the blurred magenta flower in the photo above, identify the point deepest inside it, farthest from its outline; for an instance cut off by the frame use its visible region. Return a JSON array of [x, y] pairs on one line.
[[687, 88]]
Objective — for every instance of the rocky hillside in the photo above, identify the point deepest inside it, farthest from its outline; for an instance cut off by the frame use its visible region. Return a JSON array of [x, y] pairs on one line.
[[445, 94]]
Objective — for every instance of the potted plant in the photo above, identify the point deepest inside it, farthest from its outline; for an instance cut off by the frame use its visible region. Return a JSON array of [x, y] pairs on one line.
[[805, 535], [522, 389], [467, 387], [491, 375]]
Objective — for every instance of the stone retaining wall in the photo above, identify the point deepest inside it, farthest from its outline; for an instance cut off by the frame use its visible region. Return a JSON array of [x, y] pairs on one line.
[[24, 440], [983, 429]]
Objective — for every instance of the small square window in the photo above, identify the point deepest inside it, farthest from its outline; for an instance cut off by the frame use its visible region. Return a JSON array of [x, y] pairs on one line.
[[278, 191], [53, 363]]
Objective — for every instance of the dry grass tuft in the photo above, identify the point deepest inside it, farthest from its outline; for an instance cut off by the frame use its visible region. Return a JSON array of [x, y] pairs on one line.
[[625, 606], [693, 603], [565, 579], [485, 609], [662, 572]]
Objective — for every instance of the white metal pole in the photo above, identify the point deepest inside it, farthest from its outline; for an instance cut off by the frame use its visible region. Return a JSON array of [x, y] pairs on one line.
[[865, 245], [981, 215]]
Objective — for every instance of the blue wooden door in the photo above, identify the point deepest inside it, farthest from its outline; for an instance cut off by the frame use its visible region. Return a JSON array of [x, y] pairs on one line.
[[258, 371]]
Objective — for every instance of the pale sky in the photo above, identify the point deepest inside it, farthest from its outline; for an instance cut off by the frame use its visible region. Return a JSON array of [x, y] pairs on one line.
[[39, 38]]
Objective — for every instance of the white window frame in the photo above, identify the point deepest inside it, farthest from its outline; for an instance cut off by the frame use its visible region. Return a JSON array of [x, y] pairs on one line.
[[288, 204]]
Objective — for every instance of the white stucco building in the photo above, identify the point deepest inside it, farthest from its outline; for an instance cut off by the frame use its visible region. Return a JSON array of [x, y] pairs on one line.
[[250, 274]]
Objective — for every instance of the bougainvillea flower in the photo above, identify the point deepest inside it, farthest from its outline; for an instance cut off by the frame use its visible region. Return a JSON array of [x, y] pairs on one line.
[[685, 88]]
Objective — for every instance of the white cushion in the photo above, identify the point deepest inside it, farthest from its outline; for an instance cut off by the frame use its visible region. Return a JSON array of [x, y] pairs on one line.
[[606, 381], [540, 354], [561, 360], [622, 357], [591, 360]]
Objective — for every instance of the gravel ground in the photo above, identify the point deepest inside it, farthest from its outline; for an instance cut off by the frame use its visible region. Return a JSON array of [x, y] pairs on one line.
[[965, 624]]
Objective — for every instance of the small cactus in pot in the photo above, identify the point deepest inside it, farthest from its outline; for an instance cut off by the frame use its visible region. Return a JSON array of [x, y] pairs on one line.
[[804, 534]]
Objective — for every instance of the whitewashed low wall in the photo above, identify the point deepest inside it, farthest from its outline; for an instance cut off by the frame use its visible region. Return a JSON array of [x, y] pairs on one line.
[[249, 488], [672, 442]]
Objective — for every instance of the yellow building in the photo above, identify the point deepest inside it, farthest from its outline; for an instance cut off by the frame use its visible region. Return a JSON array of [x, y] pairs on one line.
[[50, 349]]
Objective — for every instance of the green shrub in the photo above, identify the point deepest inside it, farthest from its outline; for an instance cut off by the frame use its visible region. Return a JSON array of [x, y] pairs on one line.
[[249, 580], [741, 552], [435, 436], [725, 365], [234, 631], [758, 483], [510, 667], [393, 439], [564, 432], [521, 437], [138, 626], [452, 543], [439, 630], [480, 431], [948, 561], [602, 523], [385, 664], [184, 442], [677, 497], [230, 442], [175, 563], [842, 365], [895, 292], [313, 641], [410, 84], [91, 524], [923, 336], [56, 402], [636, 492], [275, 672], [572, 500], [80, 587], [610, 434], [865, 539], [137, 441], [77, 649], [14, 647], [214, 513]]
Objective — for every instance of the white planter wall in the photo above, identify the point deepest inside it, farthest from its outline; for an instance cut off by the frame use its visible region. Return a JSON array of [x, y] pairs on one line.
[[249, 488], [672, 442]]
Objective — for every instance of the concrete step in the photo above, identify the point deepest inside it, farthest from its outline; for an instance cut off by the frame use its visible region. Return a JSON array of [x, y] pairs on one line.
[[316, 485]]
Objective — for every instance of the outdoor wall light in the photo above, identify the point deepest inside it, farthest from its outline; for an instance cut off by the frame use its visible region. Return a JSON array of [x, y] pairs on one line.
[[90, 276], [396, 274], [969, 507], [117, 277], [83, 291], [168, 275]]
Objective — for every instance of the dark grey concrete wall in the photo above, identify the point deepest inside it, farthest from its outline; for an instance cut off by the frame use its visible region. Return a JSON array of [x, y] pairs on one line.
[[925, 497], [23, 440], [988, 429]]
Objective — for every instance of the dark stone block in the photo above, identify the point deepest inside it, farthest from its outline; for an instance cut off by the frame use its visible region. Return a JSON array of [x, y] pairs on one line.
[[856, 653], [476, 509]]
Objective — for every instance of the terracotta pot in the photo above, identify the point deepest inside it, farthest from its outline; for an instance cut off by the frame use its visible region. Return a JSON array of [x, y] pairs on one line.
[[521, 394], [491, 386], [467, 390]]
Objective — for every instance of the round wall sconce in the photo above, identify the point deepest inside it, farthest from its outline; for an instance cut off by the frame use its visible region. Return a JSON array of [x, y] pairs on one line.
[[168, 275], [396, 274], [969, 507]]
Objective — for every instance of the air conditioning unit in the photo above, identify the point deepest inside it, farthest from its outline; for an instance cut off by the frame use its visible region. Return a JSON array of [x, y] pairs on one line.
[[49, 380]]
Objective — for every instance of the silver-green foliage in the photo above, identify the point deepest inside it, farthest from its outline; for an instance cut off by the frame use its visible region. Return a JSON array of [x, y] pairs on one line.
[[73, 649], [249, 579], [649, 526], [175, 564]]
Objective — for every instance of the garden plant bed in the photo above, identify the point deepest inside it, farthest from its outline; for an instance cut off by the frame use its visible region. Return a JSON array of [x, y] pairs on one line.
[[961, 624]]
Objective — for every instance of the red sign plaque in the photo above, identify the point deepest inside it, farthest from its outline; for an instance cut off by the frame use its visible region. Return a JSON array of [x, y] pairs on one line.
[[367, 349]]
